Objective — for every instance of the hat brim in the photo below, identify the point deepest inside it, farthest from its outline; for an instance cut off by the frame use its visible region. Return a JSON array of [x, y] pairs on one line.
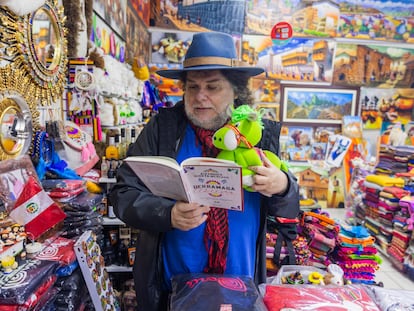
[[176, 73]]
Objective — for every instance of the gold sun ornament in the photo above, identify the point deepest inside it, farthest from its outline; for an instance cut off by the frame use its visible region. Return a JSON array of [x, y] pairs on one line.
[[36, 45]]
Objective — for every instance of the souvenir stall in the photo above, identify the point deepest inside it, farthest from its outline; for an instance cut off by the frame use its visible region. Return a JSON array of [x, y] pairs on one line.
[[78, 83], [62, 100]]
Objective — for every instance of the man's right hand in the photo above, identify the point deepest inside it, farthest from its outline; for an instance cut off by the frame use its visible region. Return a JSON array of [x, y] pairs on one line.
[[186, 216]]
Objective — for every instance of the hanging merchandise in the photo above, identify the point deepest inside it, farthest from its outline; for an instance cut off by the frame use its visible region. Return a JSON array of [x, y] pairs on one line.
[[151, 97], [79, 151], [84, 79], [47, 160], [140, 69]]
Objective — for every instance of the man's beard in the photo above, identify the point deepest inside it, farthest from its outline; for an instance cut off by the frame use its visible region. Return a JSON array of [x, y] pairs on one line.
[[212, 124]]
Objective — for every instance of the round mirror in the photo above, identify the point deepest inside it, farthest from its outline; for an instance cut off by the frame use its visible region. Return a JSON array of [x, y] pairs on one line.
[[15, 127], [45, 37], [36, 47], [45, 47]]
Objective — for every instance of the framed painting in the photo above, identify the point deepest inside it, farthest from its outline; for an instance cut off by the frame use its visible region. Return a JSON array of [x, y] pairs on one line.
[[317, 105], [138, 39], [113, 13]]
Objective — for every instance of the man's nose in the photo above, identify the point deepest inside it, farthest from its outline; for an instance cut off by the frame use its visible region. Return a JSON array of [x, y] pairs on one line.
[[201, 94]]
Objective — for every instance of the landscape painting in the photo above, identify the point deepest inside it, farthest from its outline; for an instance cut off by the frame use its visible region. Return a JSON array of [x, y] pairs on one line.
[[390, 20], [317, 105]]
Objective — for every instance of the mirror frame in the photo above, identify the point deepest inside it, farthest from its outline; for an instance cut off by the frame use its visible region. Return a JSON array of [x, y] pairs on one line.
[[47, 84], [55, 74], [24, 123]]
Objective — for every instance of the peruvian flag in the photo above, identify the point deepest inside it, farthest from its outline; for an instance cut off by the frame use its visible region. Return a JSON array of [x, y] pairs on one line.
[[36, 210]]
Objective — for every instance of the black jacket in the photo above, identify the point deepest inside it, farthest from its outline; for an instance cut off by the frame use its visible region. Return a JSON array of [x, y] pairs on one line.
[[138, 208]]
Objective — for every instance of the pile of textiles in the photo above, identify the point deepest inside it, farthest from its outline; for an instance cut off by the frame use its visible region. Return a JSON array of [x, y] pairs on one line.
[[83, 213], [399, 243], [357, 255], [401, 234], [29, 285], [381, 203], [394, 159], [321, 233]]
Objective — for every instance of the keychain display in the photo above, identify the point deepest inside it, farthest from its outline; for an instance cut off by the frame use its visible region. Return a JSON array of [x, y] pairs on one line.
[[96, 277]]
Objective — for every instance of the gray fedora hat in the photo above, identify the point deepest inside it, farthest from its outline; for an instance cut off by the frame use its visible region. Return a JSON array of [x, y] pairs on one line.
[[211, 51]]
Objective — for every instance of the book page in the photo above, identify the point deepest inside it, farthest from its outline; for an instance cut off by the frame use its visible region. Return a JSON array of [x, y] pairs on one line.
[[209, 161], [214, 186], [166, 161], [160, 178]]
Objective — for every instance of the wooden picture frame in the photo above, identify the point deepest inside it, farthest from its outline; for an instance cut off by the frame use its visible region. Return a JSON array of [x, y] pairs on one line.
[[317, 105]]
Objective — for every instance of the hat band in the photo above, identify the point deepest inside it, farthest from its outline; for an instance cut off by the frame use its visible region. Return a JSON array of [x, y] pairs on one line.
[[212, 60]]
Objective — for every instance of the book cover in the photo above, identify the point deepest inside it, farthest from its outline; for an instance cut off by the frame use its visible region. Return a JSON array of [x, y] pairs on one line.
[[208, 181]]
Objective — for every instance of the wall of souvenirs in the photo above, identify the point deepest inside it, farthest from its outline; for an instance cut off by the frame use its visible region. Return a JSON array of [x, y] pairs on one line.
[[78, 83]]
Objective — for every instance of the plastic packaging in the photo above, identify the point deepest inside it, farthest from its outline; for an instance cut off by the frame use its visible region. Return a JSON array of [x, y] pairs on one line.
[[210, 292], [311, 297]]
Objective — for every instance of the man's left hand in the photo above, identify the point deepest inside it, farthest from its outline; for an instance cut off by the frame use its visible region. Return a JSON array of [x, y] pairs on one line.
[[269, 180]]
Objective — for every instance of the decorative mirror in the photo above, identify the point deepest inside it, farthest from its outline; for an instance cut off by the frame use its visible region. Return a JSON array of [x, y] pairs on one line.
[[16, 127], [36, 44], [44, 34]]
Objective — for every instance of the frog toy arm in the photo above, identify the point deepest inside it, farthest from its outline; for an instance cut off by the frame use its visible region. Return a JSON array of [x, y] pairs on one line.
[[236, 141]]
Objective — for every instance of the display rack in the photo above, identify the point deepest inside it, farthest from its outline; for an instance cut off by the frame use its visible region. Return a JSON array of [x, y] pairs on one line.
[[95, 273]]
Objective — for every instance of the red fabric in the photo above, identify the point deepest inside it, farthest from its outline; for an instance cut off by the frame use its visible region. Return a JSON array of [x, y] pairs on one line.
[[33, 298], [216, 235], [46, 213], [342, 298], [60, 249]]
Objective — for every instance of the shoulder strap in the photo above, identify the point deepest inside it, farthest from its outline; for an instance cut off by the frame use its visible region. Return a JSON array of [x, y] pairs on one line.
[[286, 233]]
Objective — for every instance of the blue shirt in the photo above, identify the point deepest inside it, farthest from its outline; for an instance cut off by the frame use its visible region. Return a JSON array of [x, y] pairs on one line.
[[185, 251]]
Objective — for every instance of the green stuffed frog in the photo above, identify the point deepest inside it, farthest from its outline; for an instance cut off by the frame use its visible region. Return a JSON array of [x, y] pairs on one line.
[[237, 139]]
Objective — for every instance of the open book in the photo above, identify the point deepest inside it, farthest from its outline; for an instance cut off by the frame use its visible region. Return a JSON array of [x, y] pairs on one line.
[[208, 181]]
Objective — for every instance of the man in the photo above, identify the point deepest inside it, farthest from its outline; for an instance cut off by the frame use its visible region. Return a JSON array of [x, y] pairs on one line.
[[180, 237]]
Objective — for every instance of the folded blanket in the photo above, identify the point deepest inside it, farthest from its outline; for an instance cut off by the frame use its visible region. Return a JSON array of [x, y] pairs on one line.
[[385, 181], [396, 191]]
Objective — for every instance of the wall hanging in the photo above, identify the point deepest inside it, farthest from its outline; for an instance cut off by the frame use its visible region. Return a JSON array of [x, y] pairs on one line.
[[36, 45]]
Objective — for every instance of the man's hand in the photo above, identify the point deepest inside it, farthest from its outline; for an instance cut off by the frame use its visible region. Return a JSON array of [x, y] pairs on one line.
[[186, 216], [268, 179]]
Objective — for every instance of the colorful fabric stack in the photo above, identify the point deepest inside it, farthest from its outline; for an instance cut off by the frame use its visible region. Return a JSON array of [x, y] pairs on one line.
[[381, 201], [321, 233], [394, 159], [401, 233], [398, 246], [357, 255]]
